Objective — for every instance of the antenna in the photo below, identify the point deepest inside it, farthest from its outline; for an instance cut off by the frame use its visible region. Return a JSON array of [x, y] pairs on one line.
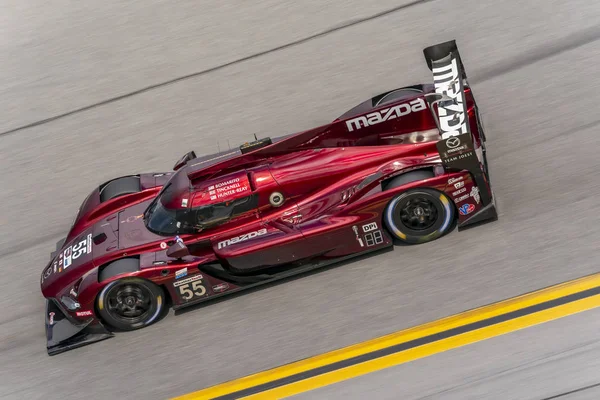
[[218, 147], [255, 138], [228, 145]]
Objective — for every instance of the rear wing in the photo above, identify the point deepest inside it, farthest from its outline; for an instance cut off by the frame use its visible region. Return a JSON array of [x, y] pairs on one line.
[[449, 79], [457, 149]]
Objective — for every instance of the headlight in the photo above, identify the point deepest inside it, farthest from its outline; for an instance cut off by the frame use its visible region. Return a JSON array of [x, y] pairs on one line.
[[71, 304]]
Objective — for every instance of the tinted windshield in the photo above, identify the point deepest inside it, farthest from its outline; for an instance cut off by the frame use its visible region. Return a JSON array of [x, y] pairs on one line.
[[164, 221]]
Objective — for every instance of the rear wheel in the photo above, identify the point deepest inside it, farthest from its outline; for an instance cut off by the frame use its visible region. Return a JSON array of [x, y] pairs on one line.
[[131, 303], [419, 215]]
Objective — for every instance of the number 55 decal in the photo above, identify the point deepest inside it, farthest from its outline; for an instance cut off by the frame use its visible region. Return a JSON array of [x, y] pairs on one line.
[[190, 288], [83, 247]]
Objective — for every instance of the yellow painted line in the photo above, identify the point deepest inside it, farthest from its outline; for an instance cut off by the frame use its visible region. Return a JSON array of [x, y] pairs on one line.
[[407, 335], [428, 349]]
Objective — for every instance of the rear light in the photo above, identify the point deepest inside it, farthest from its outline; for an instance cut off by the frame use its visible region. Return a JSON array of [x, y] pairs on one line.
[[438, 170]]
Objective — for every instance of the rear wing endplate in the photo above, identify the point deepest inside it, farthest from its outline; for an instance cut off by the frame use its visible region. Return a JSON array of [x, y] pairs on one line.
[[456, 147]]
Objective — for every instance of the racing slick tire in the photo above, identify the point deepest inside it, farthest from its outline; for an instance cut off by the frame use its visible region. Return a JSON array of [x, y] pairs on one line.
[[130, 303], [419, 215], [119, 187]]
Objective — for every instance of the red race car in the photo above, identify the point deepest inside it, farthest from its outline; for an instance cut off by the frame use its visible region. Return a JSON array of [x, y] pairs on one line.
[[406, 166]]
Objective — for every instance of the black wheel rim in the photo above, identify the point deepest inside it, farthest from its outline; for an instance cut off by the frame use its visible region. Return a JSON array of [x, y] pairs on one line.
[[129, 303], [418, 214]]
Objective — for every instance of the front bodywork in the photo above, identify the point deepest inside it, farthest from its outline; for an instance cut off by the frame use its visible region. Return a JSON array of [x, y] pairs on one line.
[[274, 208], [63, 333]]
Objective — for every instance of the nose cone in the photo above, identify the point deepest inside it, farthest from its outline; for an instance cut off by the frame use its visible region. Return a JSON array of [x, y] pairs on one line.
[[66, 263]]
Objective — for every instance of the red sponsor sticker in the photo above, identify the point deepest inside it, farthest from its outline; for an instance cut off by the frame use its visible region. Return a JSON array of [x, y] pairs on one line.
[[221, 287], [232, 187], [84, 313], [466, 209]]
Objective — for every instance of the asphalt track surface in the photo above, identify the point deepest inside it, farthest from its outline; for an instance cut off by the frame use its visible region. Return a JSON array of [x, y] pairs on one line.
[[567, 370], [94, 90]]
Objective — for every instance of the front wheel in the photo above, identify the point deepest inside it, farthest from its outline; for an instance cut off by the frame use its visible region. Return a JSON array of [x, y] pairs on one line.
[[130, 303], [419, 215]]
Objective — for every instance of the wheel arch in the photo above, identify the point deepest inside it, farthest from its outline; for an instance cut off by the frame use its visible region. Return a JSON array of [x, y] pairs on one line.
[[405, 177], [123, 266], [120, 186], [118, 267], [378, 100]]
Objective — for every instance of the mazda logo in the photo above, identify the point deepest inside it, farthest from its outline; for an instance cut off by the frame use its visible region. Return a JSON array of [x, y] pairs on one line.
[[453, 142]]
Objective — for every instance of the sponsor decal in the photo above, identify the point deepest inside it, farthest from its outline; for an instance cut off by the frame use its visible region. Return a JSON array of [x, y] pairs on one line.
[[453, 142], [461, 198], [453, 145], [47, 272], [222, 185], [452, 113], [458, 185], [459, 157], [355, 229], [163, 245], [84, 313], [459, 191], [181, 273], [184, 202], [132, 218], [190, 288], [67, 257], [466, 209], [452, 180], [221, 287], [242, 238], [369, 227], [230, 189], [51, 318], [374, 238], [187, 280], [73, 252], [475, 194], [461, 153], [386, 114]]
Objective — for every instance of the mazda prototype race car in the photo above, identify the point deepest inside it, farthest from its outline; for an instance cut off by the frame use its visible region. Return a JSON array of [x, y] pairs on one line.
[[406, 166]]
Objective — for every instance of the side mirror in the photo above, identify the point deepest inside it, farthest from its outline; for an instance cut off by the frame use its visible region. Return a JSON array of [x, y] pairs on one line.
[[178, 250], [183, 160]]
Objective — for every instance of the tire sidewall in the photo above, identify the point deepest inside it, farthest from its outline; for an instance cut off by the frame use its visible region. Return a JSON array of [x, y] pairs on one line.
[[444, 223], [156, 310]]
